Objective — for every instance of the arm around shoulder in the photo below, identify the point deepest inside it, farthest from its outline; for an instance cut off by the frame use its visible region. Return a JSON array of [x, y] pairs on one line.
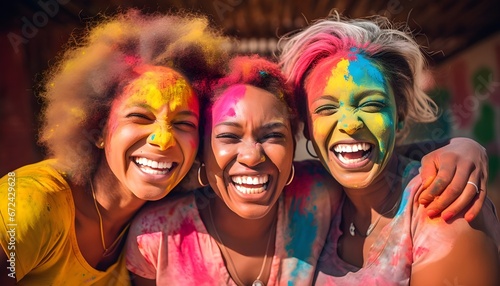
[[472, 259]]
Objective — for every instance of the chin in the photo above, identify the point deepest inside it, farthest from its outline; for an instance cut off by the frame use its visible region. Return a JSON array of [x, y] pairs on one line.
[[252, 212]]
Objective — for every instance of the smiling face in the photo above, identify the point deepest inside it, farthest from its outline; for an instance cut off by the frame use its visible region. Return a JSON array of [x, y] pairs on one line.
[[352, 116], [151, 136], [248, 149]]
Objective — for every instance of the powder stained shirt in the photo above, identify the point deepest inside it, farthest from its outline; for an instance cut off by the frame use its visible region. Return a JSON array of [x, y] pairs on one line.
[[410, 240], [37, 231], [169, 242]]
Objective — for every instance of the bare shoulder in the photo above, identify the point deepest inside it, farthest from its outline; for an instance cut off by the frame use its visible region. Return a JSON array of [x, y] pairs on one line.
[[460, 252]]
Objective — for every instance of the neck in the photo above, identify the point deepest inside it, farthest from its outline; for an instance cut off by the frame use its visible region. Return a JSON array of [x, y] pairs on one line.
[[247, 245], [232, 225], [379, 194], [116, 202]]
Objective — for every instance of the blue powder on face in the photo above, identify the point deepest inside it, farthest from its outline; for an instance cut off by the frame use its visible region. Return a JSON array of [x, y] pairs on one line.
[[361, 66]]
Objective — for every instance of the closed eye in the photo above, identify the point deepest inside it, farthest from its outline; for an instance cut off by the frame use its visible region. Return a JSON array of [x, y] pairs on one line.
[[185, 125], [273, 136], [372, 106], [327, 109], [140, 117], [227, 137]]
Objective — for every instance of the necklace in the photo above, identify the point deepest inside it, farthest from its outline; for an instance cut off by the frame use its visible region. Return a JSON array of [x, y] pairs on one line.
[[107, 251], [257, 281], [353, 230]]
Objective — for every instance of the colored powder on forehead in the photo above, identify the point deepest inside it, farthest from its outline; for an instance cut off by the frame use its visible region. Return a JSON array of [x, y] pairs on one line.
[[156, 89], [225, 104], [360, 67], [340, 78]]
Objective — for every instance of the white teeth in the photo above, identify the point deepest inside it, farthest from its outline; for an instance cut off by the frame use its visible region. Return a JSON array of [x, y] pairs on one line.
[[143, 162], [349, 148], [258, 181], [153, 172], [352, 161], [250, 180], [246, 190]]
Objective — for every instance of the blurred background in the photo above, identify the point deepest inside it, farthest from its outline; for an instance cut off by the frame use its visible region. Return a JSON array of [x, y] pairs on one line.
[[461, 39]]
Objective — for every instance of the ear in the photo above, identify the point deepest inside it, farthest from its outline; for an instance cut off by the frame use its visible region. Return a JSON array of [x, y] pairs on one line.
[[306, 132], [401, 125], [99, 143]]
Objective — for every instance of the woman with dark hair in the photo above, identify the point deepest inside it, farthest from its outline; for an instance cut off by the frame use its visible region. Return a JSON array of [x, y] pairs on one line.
[[258, 220], [121, 127]]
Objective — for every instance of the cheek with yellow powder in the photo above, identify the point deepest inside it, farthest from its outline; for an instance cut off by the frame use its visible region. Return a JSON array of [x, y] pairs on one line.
[[343, 78], [366, 75], [156, 88]]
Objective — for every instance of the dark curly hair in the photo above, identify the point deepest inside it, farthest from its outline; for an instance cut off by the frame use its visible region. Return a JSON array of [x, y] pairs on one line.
[[79, 89]]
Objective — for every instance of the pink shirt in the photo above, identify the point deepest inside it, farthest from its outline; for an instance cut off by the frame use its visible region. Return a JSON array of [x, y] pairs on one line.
[[169, 242], [411, 240]]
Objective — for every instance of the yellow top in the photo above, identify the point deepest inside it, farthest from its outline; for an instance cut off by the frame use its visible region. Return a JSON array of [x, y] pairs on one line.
[[37, 231]]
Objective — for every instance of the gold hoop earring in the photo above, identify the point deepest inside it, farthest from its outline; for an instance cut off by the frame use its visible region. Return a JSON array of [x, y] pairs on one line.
[[309, 152], [199, 176], [291, 177]]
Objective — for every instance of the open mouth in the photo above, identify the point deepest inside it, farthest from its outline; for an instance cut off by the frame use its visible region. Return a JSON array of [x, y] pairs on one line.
[[250, 184], [154, 167], [352, 153]]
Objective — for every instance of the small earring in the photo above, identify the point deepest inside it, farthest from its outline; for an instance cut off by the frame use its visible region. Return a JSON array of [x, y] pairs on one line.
[[100, 145], [199, 175], [262, 158], [309, 152], [291, 178]]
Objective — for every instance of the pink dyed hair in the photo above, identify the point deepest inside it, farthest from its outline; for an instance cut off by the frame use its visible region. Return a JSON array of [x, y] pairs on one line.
[[261, 73], [394, 50]]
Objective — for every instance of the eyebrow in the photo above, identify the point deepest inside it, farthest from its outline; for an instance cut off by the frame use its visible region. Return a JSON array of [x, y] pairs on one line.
[[329, 97], [273, 125], [270, 125], [188, 113], [358, 95], [371, 92], [148, 107]]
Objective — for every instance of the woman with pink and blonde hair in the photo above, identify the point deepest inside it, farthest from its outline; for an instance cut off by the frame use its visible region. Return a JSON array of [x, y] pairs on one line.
[[357, 82]]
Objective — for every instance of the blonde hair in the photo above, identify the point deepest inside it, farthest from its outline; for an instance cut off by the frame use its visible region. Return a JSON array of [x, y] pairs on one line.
[[395, 51], [79, 90]]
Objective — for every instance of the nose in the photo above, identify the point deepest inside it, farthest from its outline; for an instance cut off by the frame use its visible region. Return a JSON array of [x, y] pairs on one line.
[[350, 124], [162, 137], [251, 154]]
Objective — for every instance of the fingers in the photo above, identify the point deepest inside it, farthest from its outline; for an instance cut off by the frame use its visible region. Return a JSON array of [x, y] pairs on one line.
[[450, 191], [428, 172], [450, 207], [460, 196], [447, 191], [471, 214], [482, 181], [435, 185]]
